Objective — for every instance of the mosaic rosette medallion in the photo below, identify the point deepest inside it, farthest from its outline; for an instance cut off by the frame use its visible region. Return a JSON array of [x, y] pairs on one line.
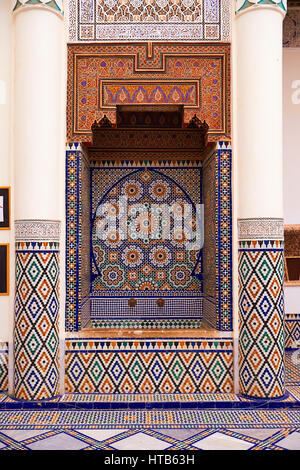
[[36, 340], [146, 256], [158, 259], [261, 316]]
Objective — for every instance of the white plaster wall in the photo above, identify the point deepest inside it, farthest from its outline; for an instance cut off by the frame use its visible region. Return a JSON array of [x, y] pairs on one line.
[[6, 236], [292, 299], [291, 155], [291, 134]]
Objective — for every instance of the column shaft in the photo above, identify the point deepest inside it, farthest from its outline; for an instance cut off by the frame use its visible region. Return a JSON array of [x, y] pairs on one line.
[[38, 80]]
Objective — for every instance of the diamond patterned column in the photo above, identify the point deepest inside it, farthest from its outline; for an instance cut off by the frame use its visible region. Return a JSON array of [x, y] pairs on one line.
[[36, 339], [261, 313]]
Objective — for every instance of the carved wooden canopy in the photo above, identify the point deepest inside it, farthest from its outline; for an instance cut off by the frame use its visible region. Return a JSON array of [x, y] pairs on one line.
[[149, 133]]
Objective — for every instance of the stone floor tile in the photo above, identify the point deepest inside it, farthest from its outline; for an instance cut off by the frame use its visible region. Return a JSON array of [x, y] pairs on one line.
[[101, 434], [140, 441], [22, 434], [220, 441], [291, 442], [61, 441], [180, 434]]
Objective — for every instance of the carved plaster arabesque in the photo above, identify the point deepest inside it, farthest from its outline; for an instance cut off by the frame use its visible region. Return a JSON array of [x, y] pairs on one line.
[[37, 230], [128, 20], [260, 229]]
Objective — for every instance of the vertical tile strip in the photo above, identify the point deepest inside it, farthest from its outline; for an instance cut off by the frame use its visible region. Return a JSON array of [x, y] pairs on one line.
[[3, 366], [224, 236]]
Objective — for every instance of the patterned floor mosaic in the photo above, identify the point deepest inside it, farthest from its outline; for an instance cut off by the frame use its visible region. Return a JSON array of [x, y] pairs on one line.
[[152, 430], [184, 428]]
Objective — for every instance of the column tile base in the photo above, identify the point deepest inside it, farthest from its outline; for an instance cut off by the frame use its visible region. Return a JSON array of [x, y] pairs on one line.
[[261, 310], [36, 338]]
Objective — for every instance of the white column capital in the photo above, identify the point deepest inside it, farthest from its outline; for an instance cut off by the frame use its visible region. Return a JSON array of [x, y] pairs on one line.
[[242, 6], [56, 6]]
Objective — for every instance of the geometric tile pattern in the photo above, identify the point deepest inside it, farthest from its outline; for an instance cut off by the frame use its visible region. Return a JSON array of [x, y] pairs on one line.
[[162, 266], [148, 344], [73, 241], [292, 330], [170, 401], [209, 420], [156, 262], [178, 401], [178, 439], [210, 167], [176, 311], [223, 231], [3, 366], [129, 20], [261, 316], [84, 239], [102, 75], [222, 438], [36, 338], [149, 366], [146, 324]]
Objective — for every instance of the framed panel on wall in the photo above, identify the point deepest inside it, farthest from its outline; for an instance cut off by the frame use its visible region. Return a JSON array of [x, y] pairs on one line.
[[4, 208], [4, 269]]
